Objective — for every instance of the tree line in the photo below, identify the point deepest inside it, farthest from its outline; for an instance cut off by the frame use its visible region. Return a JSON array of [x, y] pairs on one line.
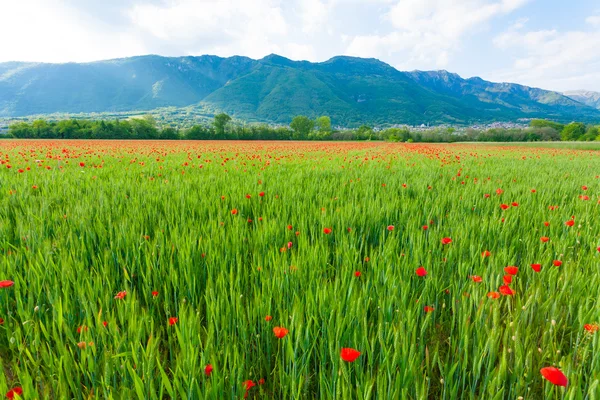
[[301, 128]]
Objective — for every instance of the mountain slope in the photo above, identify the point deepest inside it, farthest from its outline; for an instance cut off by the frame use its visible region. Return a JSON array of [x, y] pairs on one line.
[[275, 89], [588, 98]]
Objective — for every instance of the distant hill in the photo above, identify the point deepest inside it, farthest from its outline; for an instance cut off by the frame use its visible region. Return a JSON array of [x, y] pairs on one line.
[[275, 89], [588, 98]]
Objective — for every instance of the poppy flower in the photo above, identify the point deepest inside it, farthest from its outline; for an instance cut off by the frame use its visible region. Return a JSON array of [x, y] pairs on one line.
[[546, 223], [81, 164], [511, 270], [544, 239], [14, 392], [121, 295], [515, 204], [598, 249], [173, 320], [421, 271], [499, 191], [349, 354], [428, 309], [248, 196], [234, 211], [82, 328], [487, 196], [262, 194], [261, 381], [327, 231], [280, 332], [268, 318], [557, 263], [290, 227], [1, 321], [507, 279], [357, 274], [446, 240], [493, 295], [425, 227], [248, 385], [476, 279], [570, 223], [591, 328], [584, 188], [505, 290], [504, 206], [536, 267], [390, 228], [6, 284], [349, 229], [208, 370], [554, 376], [486, 253], [290, 245], [154, 294], [104, 324]]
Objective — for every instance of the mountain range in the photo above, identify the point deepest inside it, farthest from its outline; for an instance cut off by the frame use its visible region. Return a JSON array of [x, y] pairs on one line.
[[274, 89]]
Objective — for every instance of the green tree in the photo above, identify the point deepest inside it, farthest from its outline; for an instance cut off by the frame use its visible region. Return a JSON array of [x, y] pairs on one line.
[[220, 123], [573, 131], [302, 127]]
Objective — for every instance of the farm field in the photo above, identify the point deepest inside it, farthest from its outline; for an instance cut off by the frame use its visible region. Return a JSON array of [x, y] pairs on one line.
[[281, 270]]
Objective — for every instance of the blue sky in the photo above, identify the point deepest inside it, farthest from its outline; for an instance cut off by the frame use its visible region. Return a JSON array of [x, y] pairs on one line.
[[551, 44]]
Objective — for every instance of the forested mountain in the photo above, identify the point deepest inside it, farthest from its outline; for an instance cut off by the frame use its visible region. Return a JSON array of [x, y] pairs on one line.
[[351, 90]]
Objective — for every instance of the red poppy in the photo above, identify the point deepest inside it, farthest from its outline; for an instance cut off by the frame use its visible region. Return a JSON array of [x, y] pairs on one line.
[[248, 196], [533, 190], [554, 376], [154, 293], [598, 248], [584, 188], [81, 164], [557, 263], [428, 309], [268, 318], [290, 245], [290, 227], [536, 267], [507, 279], [446, 240], [515, 204], [348, 354], [546, 223], [349, 229], [591, 328], [248, 385], [262, 194], [357, 274], [261, 381], [173, 320], [104, 324], [425, 227], [486, 253], [280, 332], [499, 191], [121, 295], [208, 370], [1, 321], [421, 271], [476, 279], [511, 270], [504, 206], [570, 223], [14, 392], [487, 196], [544, 239], [6, 284], [82, 328], [234, 211], [390, 228], [327, 231], [493, 295], [505, 290]]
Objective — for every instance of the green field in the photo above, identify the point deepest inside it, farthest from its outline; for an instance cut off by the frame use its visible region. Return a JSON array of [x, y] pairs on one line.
[[89, 230]]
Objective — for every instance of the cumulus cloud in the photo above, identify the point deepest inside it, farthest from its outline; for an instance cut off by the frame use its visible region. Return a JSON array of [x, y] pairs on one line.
[[427, 32], [559, 60]]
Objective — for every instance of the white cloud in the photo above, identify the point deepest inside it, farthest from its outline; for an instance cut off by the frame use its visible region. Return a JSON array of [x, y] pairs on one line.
[[558, 60], [41, 30], [429, 31], [593, 20]]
